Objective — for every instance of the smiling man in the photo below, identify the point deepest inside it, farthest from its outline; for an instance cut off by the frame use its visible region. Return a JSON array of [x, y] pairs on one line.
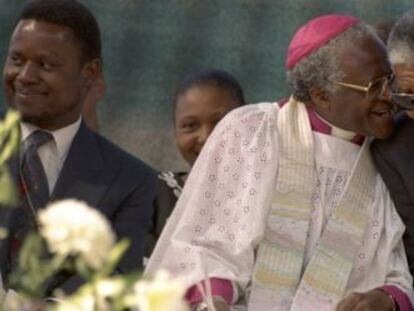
[[393, 157], [283, 209], [53, 60]]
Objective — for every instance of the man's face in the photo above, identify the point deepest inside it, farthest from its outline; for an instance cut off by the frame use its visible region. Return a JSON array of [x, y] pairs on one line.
[[404, 76], [43, 76], [353, 110]]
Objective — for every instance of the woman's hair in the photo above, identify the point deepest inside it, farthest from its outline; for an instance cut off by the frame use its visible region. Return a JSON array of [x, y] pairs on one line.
[[216, 78]]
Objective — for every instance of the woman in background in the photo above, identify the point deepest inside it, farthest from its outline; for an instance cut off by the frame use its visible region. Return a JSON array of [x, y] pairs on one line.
[[200, 103]]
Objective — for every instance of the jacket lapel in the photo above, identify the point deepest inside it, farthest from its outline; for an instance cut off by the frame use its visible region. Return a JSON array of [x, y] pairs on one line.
[[85, 175]]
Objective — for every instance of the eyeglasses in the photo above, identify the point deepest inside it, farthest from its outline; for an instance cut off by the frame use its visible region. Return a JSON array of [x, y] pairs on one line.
[[403, 101], [374, 89]]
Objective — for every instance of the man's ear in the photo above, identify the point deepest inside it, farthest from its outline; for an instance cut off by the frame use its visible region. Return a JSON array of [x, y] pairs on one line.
[[319, 98], [91, 70]]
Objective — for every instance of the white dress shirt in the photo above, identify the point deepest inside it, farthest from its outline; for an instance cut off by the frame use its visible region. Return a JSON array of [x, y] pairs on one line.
[[53, 153]]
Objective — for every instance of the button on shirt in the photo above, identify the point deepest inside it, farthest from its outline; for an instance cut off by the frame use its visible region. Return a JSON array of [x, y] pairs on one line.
[[53, 154]]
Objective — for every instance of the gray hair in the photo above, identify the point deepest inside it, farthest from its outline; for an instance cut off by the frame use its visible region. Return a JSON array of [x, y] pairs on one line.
[[401, 40], [322, 67]]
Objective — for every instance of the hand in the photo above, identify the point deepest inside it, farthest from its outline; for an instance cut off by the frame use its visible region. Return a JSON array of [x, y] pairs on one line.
[[373, 300], [220, 304]]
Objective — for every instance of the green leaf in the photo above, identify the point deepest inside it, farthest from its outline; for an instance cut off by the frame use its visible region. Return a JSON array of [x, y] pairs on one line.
[[9, 136], [9, 144], [3, 233], [35, 267], [82, 268], [114, 257], [8, 193]]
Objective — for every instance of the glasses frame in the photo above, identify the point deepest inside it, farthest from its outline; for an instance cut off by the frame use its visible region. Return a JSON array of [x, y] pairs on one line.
[[410, 106], [366, 89], [403, 94]]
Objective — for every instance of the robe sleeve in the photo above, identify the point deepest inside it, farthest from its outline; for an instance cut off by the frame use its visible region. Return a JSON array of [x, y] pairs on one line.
[[220, 217], [400, 298], [219, 287]]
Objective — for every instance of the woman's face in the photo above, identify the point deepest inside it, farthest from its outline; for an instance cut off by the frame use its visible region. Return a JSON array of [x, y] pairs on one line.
[[197, 112]]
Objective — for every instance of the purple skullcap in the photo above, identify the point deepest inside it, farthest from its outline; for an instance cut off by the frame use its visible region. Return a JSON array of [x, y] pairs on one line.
[[315, 34]]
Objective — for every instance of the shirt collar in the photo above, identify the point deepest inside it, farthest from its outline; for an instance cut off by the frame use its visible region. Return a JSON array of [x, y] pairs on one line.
[[63, 137], [321, 126], [318, 124]]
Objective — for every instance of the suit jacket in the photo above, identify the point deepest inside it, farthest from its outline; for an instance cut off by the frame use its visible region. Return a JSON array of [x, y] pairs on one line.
[[394, 160], [117, 184]]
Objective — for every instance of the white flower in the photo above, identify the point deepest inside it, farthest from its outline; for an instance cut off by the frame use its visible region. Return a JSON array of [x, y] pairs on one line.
[[93, 296], [83, 300], [12, 301], [160, 294], [71, 227]]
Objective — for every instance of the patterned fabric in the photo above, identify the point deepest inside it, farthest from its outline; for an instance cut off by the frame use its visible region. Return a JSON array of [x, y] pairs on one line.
[[280, 256], [34, 189], [33, 174], [280, 260], [222, 214]]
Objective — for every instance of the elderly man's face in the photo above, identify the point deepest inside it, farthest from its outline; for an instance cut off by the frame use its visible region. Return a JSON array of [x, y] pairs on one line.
[[404, 75], [352, 109]]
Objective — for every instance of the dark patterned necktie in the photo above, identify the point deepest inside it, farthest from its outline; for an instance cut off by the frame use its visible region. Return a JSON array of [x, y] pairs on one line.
[[32, 174], [34, 190]]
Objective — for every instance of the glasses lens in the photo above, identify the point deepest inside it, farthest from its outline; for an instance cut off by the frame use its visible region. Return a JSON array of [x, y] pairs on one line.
[[403, 101], [377, 88]]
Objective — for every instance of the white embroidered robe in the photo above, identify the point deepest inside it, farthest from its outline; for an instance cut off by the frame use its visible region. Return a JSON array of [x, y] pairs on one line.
[[221, 215]]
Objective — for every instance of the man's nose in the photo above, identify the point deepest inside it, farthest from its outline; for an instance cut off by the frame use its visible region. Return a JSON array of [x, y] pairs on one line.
[[386, 94], [28, 73]]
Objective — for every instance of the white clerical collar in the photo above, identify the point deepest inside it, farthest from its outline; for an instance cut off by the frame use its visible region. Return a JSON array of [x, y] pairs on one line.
[[319, 124], [63, 137], [338, 132]]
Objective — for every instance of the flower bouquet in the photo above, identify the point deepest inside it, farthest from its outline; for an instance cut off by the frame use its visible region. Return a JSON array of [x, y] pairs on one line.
[[75, 239]]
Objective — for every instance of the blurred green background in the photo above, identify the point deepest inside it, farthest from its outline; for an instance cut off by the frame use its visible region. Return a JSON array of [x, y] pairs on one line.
[[150, 45]]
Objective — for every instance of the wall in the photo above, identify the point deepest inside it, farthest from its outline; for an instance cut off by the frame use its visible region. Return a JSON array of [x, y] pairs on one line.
[[150, 45]]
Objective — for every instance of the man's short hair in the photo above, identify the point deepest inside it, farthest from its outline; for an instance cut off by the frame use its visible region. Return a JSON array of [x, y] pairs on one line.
[[71, 14], [401, 40]]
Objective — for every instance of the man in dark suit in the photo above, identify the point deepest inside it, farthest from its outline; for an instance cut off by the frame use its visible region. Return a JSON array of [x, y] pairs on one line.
[[393, 157], [53, 59]]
